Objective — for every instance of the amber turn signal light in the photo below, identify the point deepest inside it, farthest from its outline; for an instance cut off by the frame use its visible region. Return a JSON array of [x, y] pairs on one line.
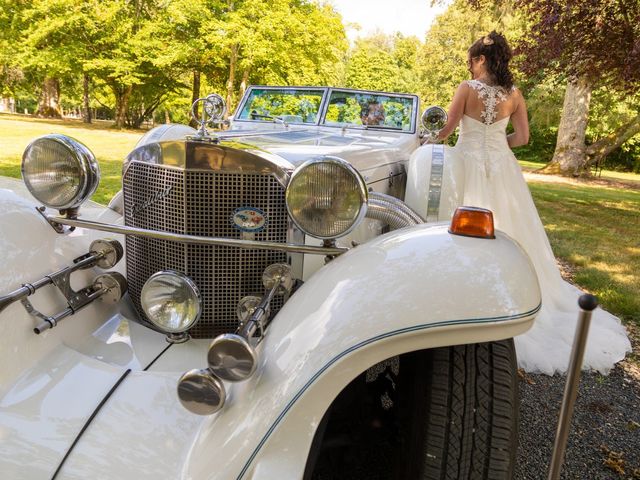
[[472, 222]]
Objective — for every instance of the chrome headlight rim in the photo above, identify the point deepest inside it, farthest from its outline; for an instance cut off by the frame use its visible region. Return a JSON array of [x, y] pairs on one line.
[[193, 288], [360, 184], [84, 158]]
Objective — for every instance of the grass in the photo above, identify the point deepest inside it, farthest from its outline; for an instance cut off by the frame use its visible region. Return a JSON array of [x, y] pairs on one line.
[[593, 227], [596, 230], [109, 146]]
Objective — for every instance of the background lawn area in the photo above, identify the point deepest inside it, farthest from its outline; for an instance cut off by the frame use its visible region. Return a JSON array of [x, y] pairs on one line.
[[109, 146], [596, 230], [593, 227]]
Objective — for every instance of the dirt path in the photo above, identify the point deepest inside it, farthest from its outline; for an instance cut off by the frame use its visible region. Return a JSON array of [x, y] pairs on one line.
[[530, 175]]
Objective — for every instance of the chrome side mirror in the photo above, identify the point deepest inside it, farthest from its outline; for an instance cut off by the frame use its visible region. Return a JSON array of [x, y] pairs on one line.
[[433, 120]]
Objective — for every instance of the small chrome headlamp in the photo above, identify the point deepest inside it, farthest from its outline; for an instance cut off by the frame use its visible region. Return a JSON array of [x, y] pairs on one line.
[[171, 301], [60, 172], [326, 197]]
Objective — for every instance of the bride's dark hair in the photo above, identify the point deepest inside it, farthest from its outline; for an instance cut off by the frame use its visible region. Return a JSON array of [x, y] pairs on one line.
[[497, 53]]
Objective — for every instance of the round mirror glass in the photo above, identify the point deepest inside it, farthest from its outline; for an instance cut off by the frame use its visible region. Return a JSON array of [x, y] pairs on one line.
[[434, 119]]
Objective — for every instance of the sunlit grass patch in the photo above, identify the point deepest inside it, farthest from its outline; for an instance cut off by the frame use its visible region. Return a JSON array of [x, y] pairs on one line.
[[597, 230]]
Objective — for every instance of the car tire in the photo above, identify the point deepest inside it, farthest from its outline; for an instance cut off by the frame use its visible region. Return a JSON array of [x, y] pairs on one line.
[[440, 414], [460, 412]]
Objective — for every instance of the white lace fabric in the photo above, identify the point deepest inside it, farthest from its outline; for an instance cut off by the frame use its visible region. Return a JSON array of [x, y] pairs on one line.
[[491, 97]]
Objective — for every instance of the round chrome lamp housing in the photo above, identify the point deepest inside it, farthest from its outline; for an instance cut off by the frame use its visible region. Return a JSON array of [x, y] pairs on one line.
[[231, 357], [171, 301], [326, 197], [201, 392], [60, 172]]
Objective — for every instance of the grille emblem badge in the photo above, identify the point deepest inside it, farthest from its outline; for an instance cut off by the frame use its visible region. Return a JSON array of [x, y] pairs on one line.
[[249, 219], [156, 197]]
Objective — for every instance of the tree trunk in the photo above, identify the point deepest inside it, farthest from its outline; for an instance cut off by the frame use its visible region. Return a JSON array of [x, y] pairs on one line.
[[232, 76], [86, 108], [599, 150], [569, 158], [49, 102], [122, 105], [195, 95], [245, 82]]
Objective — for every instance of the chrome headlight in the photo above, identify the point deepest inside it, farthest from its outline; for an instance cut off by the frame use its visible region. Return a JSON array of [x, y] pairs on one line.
[[326, 197], [59, 171], [171, 301]]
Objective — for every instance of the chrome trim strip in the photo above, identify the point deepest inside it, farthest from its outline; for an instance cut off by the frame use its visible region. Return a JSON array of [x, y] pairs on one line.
[[364, 343], [87, 423], [435, 183], [197, 240]]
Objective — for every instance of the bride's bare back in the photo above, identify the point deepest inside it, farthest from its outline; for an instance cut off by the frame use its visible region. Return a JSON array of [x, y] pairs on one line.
[[489, 104]]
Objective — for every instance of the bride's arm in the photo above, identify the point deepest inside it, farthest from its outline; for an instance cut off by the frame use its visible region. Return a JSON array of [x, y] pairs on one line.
[[456, 110], [520, 122]]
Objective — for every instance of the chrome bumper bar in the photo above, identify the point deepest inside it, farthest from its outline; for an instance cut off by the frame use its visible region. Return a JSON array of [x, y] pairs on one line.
[[193, 239]]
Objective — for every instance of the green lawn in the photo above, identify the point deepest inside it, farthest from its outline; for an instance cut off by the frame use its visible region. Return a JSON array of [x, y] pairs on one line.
[[597, 230], [109, 146], [594, 227]]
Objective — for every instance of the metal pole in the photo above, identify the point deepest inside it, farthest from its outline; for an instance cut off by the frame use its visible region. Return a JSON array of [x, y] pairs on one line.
[[587, 304]]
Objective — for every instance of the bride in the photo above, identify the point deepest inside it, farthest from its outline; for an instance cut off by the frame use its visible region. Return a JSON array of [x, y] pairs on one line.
[[483, 107]]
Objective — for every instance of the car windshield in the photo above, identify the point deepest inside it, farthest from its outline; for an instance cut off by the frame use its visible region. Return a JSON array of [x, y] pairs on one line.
[[369, 110], [288, 105]]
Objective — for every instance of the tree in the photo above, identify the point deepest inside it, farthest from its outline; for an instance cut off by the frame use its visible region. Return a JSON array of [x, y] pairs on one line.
[[277, 42], [384, 62], [593, 43], [51, 39], [442, 62]]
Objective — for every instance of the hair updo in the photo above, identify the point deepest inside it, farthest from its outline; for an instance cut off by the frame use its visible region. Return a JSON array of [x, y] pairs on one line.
[[497, 54]]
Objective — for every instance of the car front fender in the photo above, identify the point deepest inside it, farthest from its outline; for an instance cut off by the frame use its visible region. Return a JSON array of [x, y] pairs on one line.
[[409, 290], [435, 183]]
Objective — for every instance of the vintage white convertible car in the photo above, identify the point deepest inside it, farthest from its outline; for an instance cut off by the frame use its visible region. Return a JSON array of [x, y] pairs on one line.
[[289, 298]]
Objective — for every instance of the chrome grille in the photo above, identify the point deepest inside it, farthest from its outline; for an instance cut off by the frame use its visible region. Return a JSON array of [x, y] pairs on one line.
[[202, 203]]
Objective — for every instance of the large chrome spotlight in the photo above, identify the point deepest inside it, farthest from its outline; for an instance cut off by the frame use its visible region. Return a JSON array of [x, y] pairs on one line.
[[60, 172], [326, 197], [171, 302]]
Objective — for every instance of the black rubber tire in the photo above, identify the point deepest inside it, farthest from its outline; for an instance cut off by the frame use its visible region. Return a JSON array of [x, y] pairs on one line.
[[460, 416], [448, 413]]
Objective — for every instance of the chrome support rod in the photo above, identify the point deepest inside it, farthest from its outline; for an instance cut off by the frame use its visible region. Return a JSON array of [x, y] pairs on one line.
[[28, 289], [259, 315], [52, 321], [587, 303], [198, 240]]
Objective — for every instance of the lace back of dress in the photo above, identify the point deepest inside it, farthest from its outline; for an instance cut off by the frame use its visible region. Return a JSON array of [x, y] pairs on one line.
[[491, 97]]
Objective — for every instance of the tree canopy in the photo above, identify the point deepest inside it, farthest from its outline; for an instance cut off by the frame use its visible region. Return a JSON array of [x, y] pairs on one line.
[[132, 60]]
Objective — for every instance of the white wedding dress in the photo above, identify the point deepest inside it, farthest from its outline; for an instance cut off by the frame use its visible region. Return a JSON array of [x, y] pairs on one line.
[[493, 180]]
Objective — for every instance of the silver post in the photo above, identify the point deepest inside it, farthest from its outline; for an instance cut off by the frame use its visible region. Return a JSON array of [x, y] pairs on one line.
[[587, 303]]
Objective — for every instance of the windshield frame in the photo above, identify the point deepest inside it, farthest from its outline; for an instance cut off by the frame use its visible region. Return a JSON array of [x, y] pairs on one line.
[[324, 107], [247, 95], [415, 105]]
